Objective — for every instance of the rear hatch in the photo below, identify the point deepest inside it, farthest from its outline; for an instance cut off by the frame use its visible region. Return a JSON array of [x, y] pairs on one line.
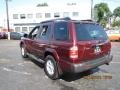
[[92, 41]]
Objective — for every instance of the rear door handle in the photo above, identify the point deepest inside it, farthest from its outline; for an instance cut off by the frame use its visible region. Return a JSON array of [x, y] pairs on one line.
[[41, 45]]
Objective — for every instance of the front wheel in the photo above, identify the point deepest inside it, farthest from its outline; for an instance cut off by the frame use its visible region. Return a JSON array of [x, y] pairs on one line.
[[23, 52], [51, 68]]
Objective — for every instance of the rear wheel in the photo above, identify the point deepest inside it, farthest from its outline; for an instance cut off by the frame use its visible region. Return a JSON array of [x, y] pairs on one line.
[[23, 52], [51, 68]]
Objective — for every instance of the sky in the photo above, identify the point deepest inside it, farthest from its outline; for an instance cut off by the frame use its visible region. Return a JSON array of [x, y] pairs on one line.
[[32, 3]]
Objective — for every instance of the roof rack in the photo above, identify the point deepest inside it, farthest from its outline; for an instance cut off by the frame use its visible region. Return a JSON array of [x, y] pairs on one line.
[[66, 18], [88, 20]]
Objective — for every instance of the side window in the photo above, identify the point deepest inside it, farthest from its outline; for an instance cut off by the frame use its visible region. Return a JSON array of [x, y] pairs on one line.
[[34, 32], [45, 32], [61, 31]]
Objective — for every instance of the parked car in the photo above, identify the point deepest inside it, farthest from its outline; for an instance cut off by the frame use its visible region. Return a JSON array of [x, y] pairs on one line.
[[3, 35], [114, 35], [66, 45], [16, 35]]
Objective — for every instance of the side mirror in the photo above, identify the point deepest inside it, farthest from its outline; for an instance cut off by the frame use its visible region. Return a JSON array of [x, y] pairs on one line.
[[25, 35]]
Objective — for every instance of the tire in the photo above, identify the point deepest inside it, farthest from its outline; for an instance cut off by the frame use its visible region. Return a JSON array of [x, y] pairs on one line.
[[23, 52], [50, 68]]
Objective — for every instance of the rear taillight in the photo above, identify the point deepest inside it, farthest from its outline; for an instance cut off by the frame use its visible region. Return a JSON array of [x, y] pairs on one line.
[[73, 52]]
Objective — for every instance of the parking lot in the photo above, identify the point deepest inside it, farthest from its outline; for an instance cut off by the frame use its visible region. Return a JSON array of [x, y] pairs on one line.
[[17, 73]]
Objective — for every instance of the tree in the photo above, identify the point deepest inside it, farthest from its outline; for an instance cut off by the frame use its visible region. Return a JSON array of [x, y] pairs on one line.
[[116, 12], [103, 13], [116, 23]]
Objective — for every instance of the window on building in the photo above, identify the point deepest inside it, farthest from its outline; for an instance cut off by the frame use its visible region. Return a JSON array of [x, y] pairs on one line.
[[24, 29], [17, 29], [22, 16], [47, 15], [57, 14], [29, 16], [15, 16], [75, 14], [66, 14], [38, 15], [30, 29]]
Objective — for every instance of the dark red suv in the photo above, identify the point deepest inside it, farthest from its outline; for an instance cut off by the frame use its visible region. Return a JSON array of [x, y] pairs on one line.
[[66, 45]]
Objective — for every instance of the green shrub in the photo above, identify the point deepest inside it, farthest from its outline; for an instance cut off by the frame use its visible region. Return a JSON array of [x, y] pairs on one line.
[[116, 23]]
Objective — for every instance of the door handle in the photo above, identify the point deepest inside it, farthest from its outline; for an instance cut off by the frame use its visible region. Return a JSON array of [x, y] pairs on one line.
[[41, 45]]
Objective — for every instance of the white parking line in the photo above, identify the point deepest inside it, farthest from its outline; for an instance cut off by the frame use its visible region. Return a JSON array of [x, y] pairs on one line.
[[115, 62], [4, 61], [20, 64], [10, 70]]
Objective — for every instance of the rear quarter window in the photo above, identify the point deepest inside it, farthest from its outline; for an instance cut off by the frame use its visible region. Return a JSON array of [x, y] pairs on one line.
[[61, 31], [90, 31]]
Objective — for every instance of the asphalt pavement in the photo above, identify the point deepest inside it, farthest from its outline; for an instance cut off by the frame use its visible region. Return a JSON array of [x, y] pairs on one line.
[[17, 73]]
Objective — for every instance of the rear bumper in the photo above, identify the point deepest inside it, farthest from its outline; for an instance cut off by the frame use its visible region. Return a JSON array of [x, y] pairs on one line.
[[76, 68]]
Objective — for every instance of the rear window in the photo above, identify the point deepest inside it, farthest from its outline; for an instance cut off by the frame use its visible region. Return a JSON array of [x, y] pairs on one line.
[[89, 31]]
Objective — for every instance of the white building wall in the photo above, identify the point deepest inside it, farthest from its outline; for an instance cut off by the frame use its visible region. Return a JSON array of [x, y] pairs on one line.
[[84, 11]]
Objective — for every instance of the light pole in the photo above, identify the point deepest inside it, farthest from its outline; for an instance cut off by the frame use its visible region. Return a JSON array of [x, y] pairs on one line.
[[7, 14], [92, 9]]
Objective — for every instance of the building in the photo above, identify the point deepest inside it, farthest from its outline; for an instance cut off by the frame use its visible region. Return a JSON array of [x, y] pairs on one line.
[[24, 19]]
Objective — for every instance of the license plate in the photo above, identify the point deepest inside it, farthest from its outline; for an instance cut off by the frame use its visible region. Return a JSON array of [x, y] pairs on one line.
[[97, 49]]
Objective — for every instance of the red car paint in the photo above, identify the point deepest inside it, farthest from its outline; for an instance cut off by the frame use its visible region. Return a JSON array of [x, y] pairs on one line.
[[71, 52]]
